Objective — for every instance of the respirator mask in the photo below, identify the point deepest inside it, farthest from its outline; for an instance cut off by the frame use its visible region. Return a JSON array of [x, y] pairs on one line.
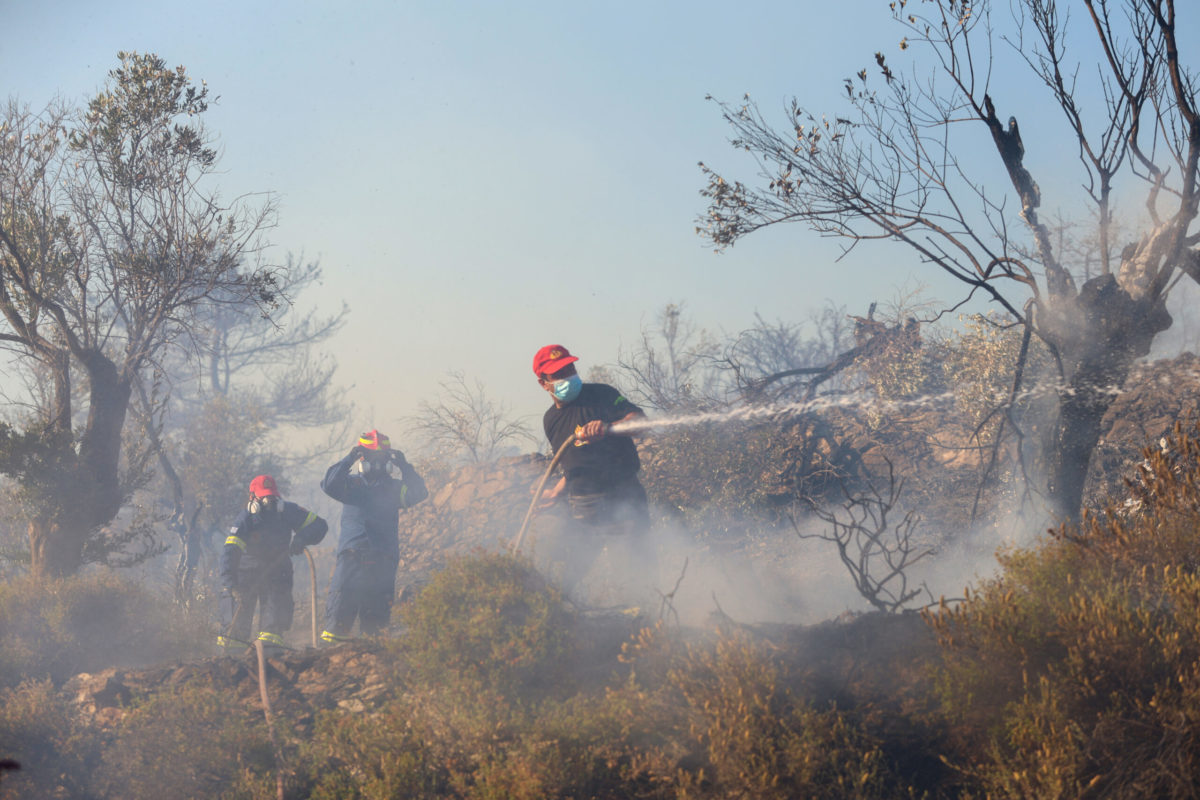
[[259, 505], [373, 468]]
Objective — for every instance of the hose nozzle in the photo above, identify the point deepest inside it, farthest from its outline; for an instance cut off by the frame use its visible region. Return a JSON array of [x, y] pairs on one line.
[[581, 439]]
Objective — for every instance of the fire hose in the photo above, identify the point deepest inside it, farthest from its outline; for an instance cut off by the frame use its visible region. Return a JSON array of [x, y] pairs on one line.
[[312, 592], [537, 494], [576, 437], [266, 701], [262, 666]]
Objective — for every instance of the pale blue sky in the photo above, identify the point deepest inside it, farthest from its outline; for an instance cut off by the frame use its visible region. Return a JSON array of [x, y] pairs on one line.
[[479, 179]]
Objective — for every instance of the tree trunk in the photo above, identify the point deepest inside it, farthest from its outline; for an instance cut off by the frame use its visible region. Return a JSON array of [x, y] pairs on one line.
[[87, 494], [1099, 337], [100, 444], [54, 551], [1073, 439]]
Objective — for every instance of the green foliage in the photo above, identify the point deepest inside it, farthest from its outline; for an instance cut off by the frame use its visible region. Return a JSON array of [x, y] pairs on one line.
[[59, 628], [195, 742], [39, 458], [132, 128], [40, 731], [488, 619], [223, 443]]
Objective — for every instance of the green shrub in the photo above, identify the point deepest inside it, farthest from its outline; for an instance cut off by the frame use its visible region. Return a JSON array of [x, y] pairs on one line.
[[371, 757], [489, 619]]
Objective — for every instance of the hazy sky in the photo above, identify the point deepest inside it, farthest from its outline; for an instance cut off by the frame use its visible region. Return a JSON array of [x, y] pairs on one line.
[[479, 179]]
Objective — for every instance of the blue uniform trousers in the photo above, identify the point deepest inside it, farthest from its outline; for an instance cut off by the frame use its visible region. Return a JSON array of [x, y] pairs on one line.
[[363, 587]]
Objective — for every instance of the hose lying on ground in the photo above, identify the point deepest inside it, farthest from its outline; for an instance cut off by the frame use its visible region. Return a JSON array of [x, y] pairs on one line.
[[266, 701]]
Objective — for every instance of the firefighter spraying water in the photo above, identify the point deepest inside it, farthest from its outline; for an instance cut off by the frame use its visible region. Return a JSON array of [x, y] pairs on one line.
[[599, 472]]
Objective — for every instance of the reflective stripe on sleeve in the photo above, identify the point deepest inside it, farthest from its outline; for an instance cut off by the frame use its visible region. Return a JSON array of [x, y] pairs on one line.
[[238, 541], [308, 520]]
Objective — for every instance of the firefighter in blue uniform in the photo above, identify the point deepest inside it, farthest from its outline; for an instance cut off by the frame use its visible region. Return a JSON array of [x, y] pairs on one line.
[[368, 556], [255, 566]]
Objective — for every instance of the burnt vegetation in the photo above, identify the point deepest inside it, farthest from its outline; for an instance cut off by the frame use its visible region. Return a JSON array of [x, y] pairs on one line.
[[492, 685], [888, 439]]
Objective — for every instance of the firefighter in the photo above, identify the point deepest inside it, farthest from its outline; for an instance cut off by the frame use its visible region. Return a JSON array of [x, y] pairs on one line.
[[256, 568], [599, 474], [373, 483], [599, 480]]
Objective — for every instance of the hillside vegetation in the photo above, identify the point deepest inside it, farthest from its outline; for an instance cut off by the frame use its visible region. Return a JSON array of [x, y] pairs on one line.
[[1072, 673]]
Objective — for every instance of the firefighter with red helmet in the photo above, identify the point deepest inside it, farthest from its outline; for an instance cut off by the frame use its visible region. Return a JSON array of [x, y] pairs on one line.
[[373, 483], [256, 568]]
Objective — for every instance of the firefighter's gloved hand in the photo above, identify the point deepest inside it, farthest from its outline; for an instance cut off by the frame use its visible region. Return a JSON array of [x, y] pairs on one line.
[[297, 547], [397, 457], [358, 451]]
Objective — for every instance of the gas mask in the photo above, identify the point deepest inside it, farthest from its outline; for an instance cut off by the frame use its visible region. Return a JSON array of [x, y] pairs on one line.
[[259, 505], [373, 468]]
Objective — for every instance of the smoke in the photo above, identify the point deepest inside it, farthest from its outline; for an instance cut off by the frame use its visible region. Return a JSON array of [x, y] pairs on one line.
[[766, 574]]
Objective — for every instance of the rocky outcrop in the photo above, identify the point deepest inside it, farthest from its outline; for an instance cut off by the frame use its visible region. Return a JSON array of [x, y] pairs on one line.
[[350, 676], [477, 506]]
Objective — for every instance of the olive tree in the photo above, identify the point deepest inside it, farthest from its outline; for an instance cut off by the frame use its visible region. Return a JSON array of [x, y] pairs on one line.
[[898, 165], [112, 238]]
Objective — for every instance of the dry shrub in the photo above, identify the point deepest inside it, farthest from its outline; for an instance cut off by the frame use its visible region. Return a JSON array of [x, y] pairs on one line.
[[761, 741], [194, 740], [1078, 665], [40, 731], [85, 623]]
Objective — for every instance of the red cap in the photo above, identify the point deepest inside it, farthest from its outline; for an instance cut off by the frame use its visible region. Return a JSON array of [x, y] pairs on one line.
[[374, 440], [264, 486], [551, 359]]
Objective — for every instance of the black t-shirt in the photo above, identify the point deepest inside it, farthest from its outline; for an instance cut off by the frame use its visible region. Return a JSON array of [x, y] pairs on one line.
[[596, 466]]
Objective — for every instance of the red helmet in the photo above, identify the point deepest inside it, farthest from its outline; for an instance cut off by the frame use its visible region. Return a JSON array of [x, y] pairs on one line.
[[374, 440], [264, 486]]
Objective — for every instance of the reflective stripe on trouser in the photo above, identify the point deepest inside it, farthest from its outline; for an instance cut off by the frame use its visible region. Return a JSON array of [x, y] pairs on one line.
[[363, 588], [271, 595]]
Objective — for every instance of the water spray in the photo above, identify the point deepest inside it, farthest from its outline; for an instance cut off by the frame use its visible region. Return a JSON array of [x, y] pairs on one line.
[[776, 412]]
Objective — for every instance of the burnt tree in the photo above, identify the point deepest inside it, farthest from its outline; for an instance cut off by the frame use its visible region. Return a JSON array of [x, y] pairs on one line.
[[902, 165]]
